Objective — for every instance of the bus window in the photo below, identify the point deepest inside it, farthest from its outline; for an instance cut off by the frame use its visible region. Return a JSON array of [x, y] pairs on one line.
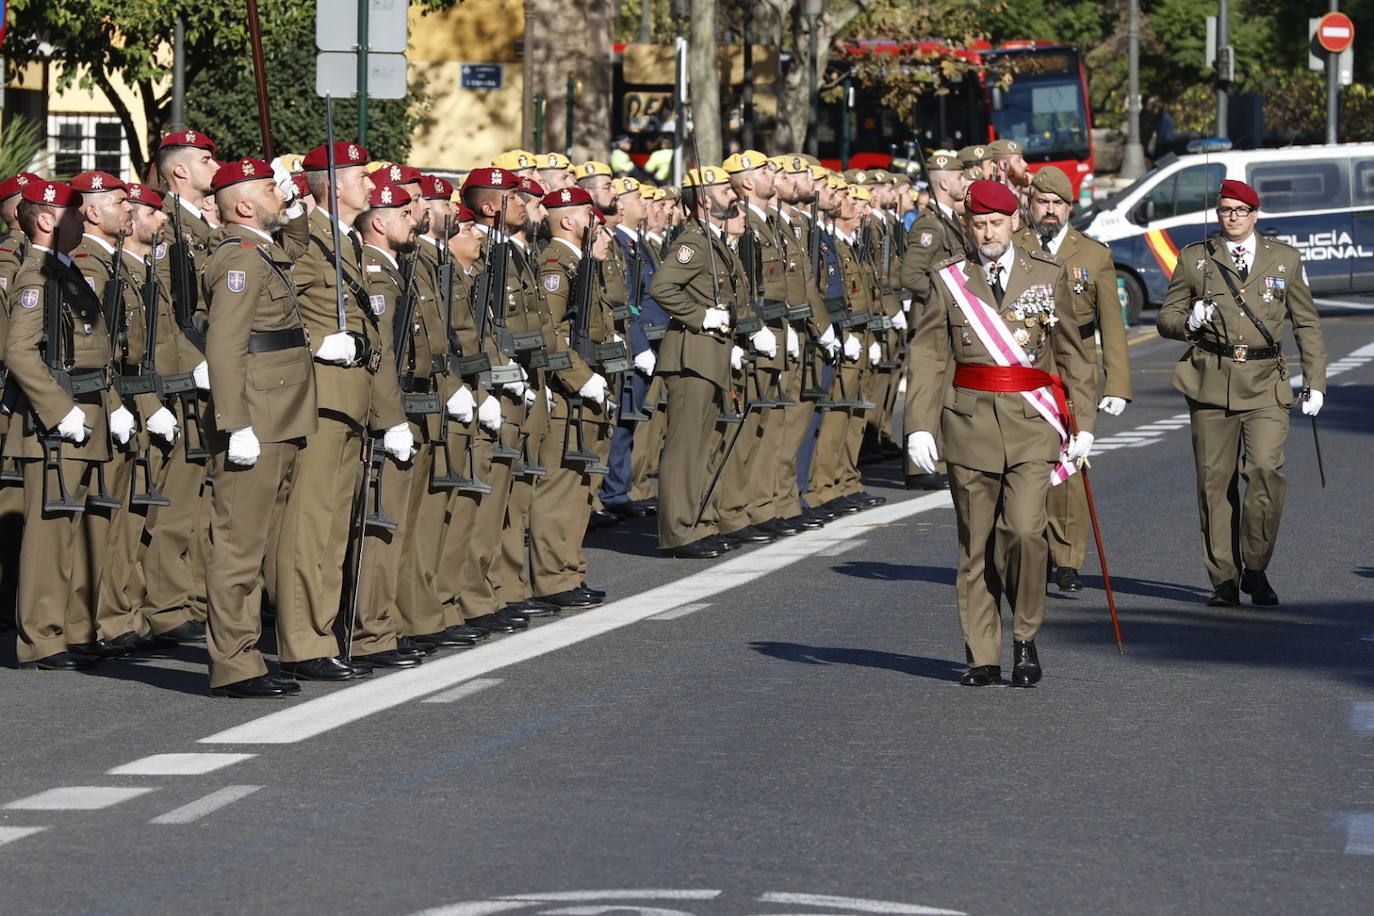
[[1301, 186], [1046, 114]]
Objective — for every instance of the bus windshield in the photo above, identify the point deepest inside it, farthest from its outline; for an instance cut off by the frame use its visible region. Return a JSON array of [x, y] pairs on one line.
[[1046, 113]]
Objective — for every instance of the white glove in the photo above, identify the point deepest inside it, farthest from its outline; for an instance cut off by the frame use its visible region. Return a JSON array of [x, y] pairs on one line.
[[282, 178], [852, 348], [736, 358], [920, 448], [715, 318], [793, 343], [399, 442], [517, 389], [617, 338], [1202, 312], [1112, 405], [1080, 446], [489, 414], [163, 423], [594, 388], [460, 405], [1312, 404], [122, 425], [899, 321], [829, 342], [244, 447], [72, 427], [645, 362], [875, 353], [201, 375], [764, 342], [340, 348]]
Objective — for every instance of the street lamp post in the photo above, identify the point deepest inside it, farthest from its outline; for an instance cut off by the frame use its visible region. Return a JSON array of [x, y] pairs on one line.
[[1133, 162]]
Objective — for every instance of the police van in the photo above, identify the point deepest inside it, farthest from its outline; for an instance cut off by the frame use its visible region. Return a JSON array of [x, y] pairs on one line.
[[1319, 199]]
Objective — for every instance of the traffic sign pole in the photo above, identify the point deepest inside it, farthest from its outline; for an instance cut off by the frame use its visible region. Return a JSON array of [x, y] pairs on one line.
[[1335, 33], [362, 70]]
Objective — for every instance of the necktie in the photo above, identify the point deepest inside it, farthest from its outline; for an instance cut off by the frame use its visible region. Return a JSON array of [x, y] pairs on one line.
[[998, 291], [1045, 242], [1241, 267]]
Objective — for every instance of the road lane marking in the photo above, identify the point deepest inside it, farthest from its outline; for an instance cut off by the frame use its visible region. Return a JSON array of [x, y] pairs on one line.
[[857, 903], [77, 798], [1359, 835], [315, 717], [1149, 335], [477, 685], [576, 896], [10, 834], [683, 611], [205, 805], [178, 764], [1362, 715], [840, 548]]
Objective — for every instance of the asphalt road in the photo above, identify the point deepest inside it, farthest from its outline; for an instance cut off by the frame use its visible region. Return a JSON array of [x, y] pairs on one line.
[[777, 732]]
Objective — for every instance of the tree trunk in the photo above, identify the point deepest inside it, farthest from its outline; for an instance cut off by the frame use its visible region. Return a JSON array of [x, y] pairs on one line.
[[138, 159], [563, 39], [796, 100], [703, 70]]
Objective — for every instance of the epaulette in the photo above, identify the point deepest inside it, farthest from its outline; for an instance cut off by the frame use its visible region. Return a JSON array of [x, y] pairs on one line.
[[233, 241], [953, 259], [1041, 254]]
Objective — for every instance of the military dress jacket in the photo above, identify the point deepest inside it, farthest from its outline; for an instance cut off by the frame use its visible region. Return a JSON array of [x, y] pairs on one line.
[[686, 286]]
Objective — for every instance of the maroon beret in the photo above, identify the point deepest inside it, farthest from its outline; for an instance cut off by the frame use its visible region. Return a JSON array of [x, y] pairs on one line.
[[188, 138], [496, 179], [991, 197], [397, 173], [302, 186], [530, 186], [567, 197], [389, 195], [52, 193], [464, 215], [142, 194], [1239, 190], [14, 184], [95, 182], [435, 188], [246, 169], [345, 155]]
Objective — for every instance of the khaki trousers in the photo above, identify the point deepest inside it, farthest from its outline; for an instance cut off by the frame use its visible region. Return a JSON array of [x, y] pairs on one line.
[[691, 450], [561, 508], [384, 555], [1238, 532], [1068, 523], [419, 604], [509, 571], [313, 542], [56, 580], [647, 445], [796, 420], [246, 509], [1002, 551], [472, 544], [173, 558], [117, 531]]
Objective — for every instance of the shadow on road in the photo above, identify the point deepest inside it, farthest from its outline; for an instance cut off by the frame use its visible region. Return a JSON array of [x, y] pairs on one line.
[[896, 572], [936, 668]]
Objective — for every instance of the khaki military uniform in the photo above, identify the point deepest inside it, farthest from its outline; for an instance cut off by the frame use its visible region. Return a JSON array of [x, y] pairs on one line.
[[261, 376], [695, 365], [13, 248], [1239, 404], [352, 400], [56, 594], [999, 450]]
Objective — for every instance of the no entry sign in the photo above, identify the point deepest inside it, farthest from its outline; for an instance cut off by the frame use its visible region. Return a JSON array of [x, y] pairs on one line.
[[1335, 32]]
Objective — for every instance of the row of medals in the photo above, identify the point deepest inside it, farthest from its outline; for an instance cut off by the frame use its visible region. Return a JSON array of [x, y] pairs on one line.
[[1036, 311]]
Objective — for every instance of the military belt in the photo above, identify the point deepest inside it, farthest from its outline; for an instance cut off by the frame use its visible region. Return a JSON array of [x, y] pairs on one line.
[[1238, 353], [271, 341]]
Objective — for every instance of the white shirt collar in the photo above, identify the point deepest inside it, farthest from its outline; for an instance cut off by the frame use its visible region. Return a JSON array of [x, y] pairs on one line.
[[1057, 239], [1248, 243], [945, 209], [255, 230], [109, 249], [629, 234], [385, 254], [64, 258], [653, 236], [191, 208], [575, 249], [759, 211], [1007, 259]]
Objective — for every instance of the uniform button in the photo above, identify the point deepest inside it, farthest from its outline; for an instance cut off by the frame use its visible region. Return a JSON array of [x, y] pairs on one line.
[[1001, 394]]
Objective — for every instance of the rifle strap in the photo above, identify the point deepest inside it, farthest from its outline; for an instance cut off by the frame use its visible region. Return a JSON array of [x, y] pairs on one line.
[[354, 287]]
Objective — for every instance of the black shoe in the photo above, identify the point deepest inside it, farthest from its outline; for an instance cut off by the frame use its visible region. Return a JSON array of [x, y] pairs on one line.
[[532, 608], [442, 640], [722, 543], [594, 592], [137, 642], [779, 528], [494, 624], [470, 635], [1066, 577], [704, 549], [842, 505], [1025, 664], [627, 510], [190, 631], [820, 514], [392, 658], [571, 598], [748, 535], [805, 522], [602, 519], [98, 649], [867, 500], [256, 688], [409, 645], [650, 506], [927, 482], [1224, 595], [1256, 584], [61, 661], [982, 676], [320, 669], [506, 613]]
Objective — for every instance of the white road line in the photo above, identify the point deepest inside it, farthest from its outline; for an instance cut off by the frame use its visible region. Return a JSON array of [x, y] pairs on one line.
[[1359, 835], [315, 717], [207, 804], [10, 834], [574, 896], [840, 548], [686, 609], [1362, 715], [1347, 304], [856, 903], [77, 798], [178, 764], [464, 690]]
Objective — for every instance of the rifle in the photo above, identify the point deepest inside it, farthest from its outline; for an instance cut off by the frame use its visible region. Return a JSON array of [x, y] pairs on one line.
[[628, 407], [185, 298], [148, 382], [112, 307], [450, 479], [580, 340], [55, 336], [489, 311]]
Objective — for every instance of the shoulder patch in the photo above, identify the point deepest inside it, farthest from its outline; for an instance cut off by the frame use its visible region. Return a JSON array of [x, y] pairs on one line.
[[90, 281], [378, 304], [927, 239], [4, 282], [160, 252], [553, 281], [236, 280], [685, 254], [28, 298]]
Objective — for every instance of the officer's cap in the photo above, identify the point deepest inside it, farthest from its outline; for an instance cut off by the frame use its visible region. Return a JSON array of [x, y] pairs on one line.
[[744, 162], [51, 193], [346, 155], [246, 169], [15, 183], [188, 138], [142, 194], [1004, 146], [96, 182]]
